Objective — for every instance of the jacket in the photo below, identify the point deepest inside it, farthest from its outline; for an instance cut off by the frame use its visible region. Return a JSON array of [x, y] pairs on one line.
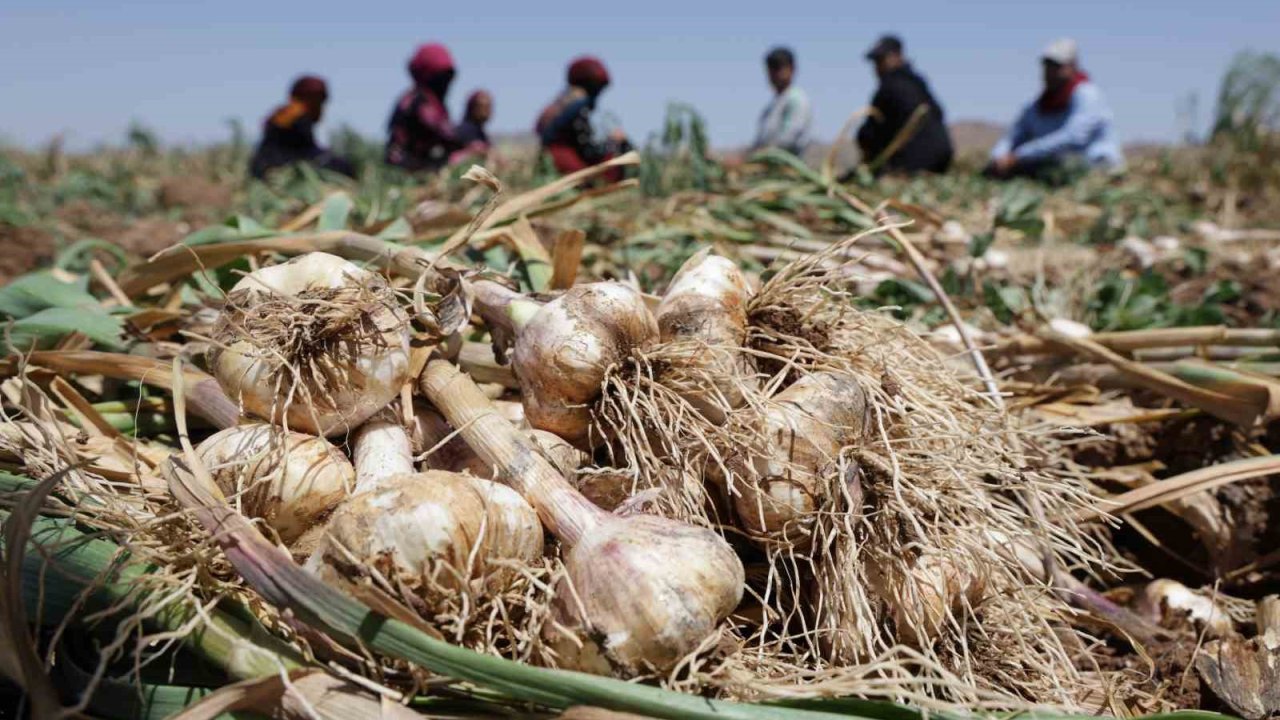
[[1084, 129], [901, 91]]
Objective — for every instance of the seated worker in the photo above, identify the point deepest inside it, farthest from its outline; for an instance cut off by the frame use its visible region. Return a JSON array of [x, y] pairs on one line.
[[1069, 125], [564, 126], [288, 135], [470, 133], [926, 146], [786, 119], [420, 135]]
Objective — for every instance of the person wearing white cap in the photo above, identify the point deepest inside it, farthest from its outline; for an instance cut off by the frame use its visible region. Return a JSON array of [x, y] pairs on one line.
[[1069, 124]]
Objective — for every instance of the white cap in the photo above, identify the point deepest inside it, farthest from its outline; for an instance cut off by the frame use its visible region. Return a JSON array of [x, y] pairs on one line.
[[1062, 51]]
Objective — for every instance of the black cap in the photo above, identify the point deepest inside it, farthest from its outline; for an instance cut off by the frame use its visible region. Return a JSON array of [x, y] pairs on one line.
[[885, 45]]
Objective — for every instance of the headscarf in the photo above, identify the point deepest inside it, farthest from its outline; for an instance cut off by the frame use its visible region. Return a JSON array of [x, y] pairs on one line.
[[431, 67], [1059, 98], [310, 90], [588, 73]]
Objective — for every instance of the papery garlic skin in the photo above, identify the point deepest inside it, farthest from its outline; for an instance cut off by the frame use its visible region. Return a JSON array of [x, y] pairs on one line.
[[806, 426], [564, 351], [288, 479], [680, 581], [414, 523], [703, 319], [364, 371], [450, 526], [639, 591], [431, 432]]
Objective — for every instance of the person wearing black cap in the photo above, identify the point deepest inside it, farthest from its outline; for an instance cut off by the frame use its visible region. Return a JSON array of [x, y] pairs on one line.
[[905, 120]]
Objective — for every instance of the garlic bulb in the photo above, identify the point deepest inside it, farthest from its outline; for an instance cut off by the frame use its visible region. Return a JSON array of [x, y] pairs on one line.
[[288, 479], [704, 317], [935, 587], [806, 426], [316, 342], [640, 592], [1169, 602], [435, 529], [563, 350]]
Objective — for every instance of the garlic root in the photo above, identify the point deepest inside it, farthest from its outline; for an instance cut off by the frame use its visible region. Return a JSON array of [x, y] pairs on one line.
[[315, 342]]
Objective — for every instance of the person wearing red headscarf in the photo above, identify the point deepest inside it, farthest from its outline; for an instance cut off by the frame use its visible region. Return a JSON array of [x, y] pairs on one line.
[[288, 135], [564, 127], [420, 135]]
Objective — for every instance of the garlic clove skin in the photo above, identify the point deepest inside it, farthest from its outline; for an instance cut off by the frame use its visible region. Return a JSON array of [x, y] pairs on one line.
[[806, 426], [288, 479], [412, 524], [641, 593], [275, 369], [563, 352]]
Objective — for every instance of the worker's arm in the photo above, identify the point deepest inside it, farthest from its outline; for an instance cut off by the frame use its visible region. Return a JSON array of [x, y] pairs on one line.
[[1088, 116]]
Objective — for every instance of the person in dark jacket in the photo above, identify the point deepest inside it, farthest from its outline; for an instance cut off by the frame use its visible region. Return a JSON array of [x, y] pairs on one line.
[[420, 135], [902, 93], [564, 126], [288, 135]]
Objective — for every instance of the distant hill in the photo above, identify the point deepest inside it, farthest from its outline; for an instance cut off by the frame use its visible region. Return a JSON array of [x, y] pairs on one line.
[[975, 136]]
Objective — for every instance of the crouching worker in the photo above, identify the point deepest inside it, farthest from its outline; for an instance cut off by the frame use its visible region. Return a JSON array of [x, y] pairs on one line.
[[564, 127], [288, 135], [471, 133], [907, 123], [1068, 128], [420, 135]]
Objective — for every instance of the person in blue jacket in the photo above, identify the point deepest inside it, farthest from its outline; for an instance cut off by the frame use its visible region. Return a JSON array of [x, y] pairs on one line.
[[1069, 125]]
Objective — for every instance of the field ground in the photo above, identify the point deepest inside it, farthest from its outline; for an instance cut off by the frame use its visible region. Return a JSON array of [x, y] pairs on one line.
[[1135, 319]]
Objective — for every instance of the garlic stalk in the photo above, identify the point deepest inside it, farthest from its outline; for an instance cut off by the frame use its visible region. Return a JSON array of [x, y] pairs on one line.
[[430, 431], [315, 342], [288, 479], [433, 529], [640, 592]]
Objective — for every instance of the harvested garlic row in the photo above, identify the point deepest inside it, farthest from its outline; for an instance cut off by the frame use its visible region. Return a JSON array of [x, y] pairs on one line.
[[640, 592]]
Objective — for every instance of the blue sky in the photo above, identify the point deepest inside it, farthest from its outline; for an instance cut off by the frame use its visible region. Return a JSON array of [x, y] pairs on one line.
[[86, 68]]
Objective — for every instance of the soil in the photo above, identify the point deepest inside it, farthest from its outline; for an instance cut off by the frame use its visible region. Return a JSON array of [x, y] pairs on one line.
[[142, 237], [200, 200], [23, 249]]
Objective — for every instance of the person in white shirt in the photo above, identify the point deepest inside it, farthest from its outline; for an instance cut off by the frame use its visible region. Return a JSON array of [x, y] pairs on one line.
[[786, 120]]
